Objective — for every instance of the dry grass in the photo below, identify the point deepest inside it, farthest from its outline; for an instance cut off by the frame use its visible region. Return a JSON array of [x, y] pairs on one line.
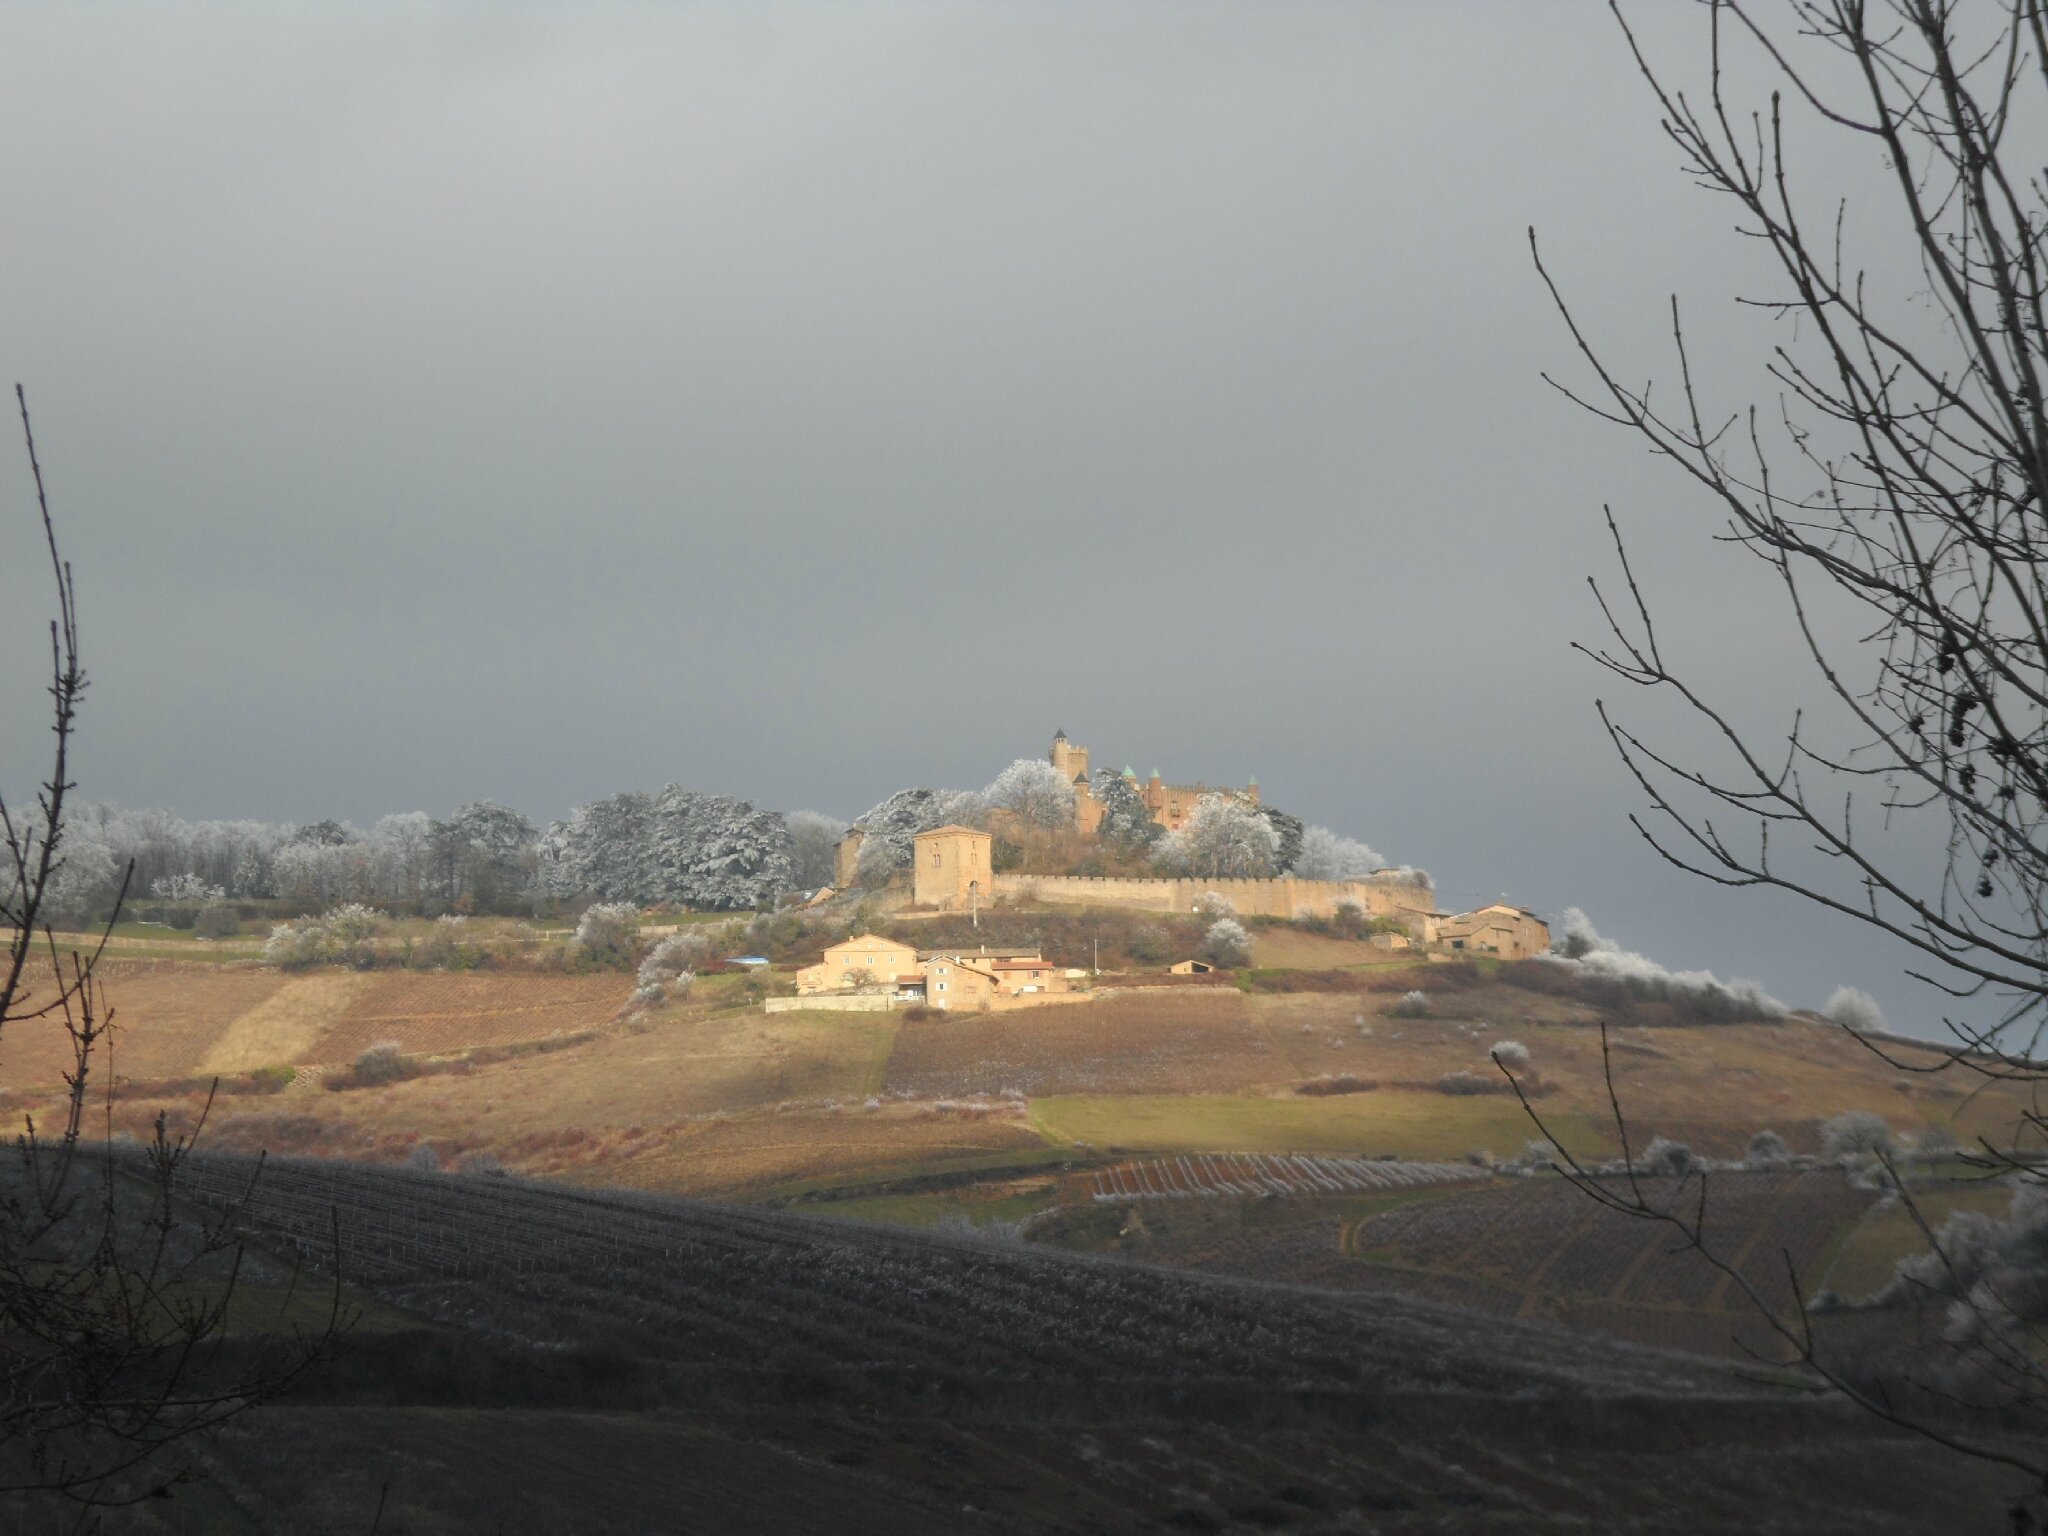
[[288, 1026], [167, 1017], [1195, 1041], [1291, 947], [435, 1013]]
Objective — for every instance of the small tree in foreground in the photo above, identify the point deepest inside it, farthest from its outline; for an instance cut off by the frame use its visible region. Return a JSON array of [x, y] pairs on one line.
[[1892, 483], [113, 1301]]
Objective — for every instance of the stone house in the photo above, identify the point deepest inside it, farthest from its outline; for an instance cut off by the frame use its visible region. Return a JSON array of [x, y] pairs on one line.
[[866, 961], [1512, 933]]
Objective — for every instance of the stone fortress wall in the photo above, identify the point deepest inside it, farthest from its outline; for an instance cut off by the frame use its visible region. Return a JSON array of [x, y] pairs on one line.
[[1408, 898]]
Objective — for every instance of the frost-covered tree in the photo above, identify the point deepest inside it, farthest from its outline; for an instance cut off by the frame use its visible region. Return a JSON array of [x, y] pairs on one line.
[[813, 841], [1859, 1133], [717, 852], [1127, 825], [1226, 943], [1224, 839], [1854, 1009], [1290, 831], [604, 849], [1034, 792], [888, 828], [1511, 1054], [1327, 855], [483, 852], [609, 932]]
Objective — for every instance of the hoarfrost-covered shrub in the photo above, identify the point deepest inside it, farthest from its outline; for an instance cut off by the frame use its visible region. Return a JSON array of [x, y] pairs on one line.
[[1469, 1084], [1226, 943], [1767, 1149], [1035, 792], [1327, 855], [424, 1159], [609, 932], [1413, 1005], [666, 972], [1224, 840], [343, 935], [1511, 1054], [1854, 1010], [1663, 1157], [1212, 905], [1606, 970], [1858, 1133]]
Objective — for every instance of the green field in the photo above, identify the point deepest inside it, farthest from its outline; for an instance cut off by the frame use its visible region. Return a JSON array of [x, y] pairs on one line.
[[1419, 1125]]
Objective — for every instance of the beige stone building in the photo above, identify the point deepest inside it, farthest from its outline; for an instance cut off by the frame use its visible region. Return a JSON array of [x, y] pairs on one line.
[[952, 867], [1512, 933], [866, 962], [1171, 805]]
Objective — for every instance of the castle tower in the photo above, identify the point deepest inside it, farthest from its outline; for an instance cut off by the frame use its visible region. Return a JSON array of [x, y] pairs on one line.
[[1072, 761], [951, 867]]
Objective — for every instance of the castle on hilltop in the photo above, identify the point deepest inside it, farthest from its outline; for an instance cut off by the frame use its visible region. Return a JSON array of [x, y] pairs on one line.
[[1170, 805]]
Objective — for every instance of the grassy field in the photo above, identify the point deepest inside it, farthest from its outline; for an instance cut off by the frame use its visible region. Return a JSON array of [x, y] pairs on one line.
[[1890, 1233], [1420, 1126]]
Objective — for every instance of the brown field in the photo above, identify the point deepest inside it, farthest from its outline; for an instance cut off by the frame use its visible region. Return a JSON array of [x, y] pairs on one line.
[[1535, 1248], [1195, 1041], [436, 1013], [1281, 946], [167, 1017]]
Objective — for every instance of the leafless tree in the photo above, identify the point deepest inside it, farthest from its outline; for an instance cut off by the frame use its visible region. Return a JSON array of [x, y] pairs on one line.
[[113, 1299], [1892, 479]]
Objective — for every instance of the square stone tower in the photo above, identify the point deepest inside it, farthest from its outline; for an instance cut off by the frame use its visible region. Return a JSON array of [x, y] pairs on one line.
[[950, 867]]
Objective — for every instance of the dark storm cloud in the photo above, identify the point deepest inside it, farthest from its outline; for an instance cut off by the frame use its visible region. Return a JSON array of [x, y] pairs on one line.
[[458, 403]]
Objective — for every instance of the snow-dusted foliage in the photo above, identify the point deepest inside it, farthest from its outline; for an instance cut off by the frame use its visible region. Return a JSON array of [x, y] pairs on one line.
[[812, 838], [1413, 1005], [1327, 855], [1226, 943], [1767, 1149], [1995, 1272], [1225, 839], [668, 971], [609, 932], [1127, 824], [1213, 904], [890, 826], [1511, 1054], [1600, 961], [679, 846], [185, 887], [343, 935], [1289, 830], [1034, 792], [718, 852], [1854, 1009], [1672, 1159], [483, 852]]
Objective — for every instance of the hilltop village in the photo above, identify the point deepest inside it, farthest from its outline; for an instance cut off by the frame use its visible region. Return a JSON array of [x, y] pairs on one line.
[[953, 868]]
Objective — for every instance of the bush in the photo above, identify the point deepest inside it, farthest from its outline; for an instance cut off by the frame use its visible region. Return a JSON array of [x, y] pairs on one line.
[[1466, 1084], [1664, 1158], [1332, 1084], [1854, 1010], [1511, 1054], [1858, 1133], [917, 1013], [217, 920], [424, 1159], [1226, 943], [383, 1062], [1767, 1149], [271, 1079], [1413, 1005], [609, 933]]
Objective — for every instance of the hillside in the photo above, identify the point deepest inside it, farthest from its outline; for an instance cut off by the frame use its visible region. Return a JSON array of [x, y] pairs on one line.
[[556, 1360]]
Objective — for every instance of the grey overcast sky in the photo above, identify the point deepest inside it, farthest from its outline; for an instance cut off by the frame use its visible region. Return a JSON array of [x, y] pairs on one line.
[[804, 401]]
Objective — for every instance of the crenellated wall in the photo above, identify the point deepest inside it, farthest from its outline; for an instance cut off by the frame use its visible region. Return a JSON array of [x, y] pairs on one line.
[[1408, 898]]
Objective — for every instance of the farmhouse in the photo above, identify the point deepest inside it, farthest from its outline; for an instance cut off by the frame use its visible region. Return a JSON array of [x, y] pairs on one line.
[[869, 967], [1513, 933]]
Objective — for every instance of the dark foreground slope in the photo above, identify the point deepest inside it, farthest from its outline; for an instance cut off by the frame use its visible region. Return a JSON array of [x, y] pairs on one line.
[[613, 1363]]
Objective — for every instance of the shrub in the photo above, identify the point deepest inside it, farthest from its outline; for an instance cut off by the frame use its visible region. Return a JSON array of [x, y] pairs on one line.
[[1413, 1005], [1465, 1084], [383, 1062], [917, 1013], [1511, 1054], [271, 1079], [424, 1159], [1226, 943], [482, 1165], [217, 920], [1767, 1149], [1855, 1134], [609, 933], [1331, 1084], [1213, 905], [1669, 1159], [666, 972], [1935, 1143], [1854, 1010]]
